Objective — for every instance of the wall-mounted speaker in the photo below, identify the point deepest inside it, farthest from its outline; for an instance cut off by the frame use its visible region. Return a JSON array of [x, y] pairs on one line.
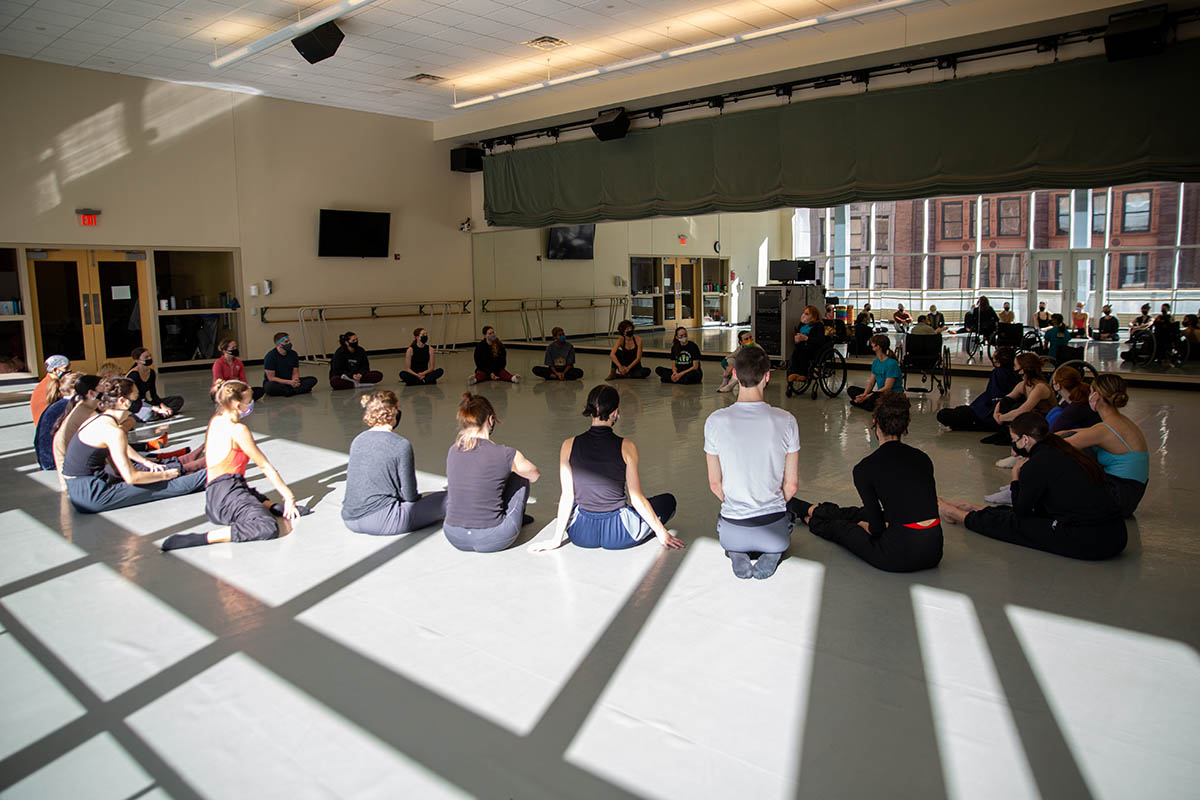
[[611, 124], [466, 159], [319, 43]]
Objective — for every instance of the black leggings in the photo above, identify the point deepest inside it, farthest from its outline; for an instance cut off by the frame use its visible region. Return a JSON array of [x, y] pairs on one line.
[[634, 372], [1093, 541], [411, 379], [894, 550], [869, 403], [276, 389], [229, 500], [962, 418], [665, 374], [573, 373]]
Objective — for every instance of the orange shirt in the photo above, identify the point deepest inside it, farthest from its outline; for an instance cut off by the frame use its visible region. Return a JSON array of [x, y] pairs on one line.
[[37, 403]]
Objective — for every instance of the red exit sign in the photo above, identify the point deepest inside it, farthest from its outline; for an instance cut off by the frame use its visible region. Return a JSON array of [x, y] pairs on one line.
[[89, 220]]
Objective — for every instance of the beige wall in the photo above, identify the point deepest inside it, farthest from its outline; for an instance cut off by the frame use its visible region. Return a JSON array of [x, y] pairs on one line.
[[184, 166]]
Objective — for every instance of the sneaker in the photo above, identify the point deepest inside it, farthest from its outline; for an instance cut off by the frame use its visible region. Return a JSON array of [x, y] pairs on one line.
[[1007, 463], [1000, 498], [724, 383], [471, 381], [727, 386], [516, 379], [526, 520]]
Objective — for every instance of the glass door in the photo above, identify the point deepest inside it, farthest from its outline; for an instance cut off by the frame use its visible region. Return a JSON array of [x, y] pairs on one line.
[[1047, 280], [119, 286], [1087, 282], [679, 291]]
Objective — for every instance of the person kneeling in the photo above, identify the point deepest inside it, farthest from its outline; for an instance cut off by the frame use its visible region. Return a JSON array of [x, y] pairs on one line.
[[897, 529], [560, 360], [228, 499], [596, 469], [1060, 503], [381, 478], [754, 482]]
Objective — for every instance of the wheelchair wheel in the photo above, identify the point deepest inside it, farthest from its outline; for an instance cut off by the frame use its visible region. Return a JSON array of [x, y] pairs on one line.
[[798, 387], [945, 385], [974, 344], [1031, 342], [1142, 350], [831, 373], [1085, 369]]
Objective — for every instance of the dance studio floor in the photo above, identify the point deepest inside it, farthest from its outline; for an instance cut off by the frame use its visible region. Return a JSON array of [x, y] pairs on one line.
[[329, 664]]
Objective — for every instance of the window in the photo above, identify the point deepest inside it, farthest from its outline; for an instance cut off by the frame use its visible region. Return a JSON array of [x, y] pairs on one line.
[[1099, 210], [952, 220], [951, 269], [883, 275], [1049, 273], [1135, 216], [821, 235], [882, 232], [987, 218], [1008, 271], [1134, 269], [1010, 216], [858, 242], [1062, 219]]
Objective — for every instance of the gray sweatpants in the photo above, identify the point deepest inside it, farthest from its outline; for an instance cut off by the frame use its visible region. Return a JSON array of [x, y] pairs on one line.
[[401, 517], [501, 536], [769, 533], [95, 493]]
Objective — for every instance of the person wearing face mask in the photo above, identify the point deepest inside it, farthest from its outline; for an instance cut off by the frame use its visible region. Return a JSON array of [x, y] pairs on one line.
[[1032, 393], [745, 338], [626, 354], [1056, 336], [602, 504], [1060, 502], [281, 370], [487, 484], [560, 359], [82, 407], [685, 356], [897, 529], [101, 438], [1006, 314], [152, 406], [901, 319], [40, 400], [419, 368], [1107, 327], [1117, 443], [381, 478], [245, 514], [1080, 322], [936, 319], [1042, 319], [755, 484], [60, 395], [978, 415], [886, 377], [808, 340], [350, 367], [228, 367], [491, 358]]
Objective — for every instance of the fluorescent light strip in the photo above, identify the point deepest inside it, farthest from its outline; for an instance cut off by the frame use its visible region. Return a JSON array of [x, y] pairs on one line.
[[290, 32], [861, 11]]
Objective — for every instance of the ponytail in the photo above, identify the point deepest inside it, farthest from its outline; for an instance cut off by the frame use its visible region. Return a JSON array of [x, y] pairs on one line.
[[474, 411], [602, 401], [883, 343], [1034, 425], [228, 394]]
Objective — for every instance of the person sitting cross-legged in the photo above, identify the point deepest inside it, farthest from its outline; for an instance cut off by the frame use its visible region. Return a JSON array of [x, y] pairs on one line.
[[281, 370], [560, 359]]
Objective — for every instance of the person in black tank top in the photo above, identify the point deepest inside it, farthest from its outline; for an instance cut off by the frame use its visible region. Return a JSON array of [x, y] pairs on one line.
[[102, 438], [626, 354], [150, 406], [602, 505], [897, 529], [419, 361]]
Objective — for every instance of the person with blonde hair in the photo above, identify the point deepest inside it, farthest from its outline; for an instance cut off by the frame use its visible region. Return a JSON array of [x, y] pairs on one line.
[[487, 483], [59, 393], [245, 514], [381, 478], [1116, 442]]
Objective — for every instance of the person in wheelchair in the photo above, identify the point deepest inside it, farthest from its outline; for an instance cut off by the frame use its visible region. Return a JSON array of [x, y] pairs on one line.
[[1141, 322], [809, 341], [922, 328]]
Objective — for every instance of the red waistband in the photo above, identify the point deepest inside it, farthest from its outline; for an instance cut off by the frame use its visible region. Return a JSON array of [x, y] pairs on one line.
[[923, 525]]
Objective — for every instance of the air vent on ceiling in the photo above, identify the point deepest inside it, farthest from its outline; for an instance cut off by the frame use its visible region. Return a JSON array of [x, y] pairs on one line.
[[545, 43], [425, 78]]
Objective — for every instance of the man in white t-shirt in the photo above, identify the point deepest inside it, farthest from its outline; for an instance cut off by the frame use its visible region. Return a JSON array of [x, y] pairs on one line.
[[753, 453]]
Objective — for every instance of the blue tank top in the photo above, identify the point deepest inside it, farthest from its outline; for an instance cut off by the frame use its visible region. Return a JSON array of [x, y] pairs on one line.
[[1131, 466]]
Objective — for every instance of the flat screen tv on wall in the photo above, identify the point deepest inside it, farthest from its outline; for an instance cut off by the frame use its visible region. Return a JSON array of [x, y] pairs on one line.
[[354, 234], [571, 242]]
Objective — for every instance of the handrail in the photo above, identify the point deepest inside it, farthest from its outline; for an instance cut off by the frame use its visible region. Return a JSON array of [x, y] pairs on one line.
[[319, 316], [615, 303]]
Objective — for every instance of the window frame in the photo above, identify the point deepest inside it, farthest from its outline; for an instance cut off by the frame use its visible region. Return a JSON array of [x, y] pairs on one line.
[[1060, 214], [1001, 217], [942, 260], [1122, 283], [1125, 213], [944, 205], [1099, 200]]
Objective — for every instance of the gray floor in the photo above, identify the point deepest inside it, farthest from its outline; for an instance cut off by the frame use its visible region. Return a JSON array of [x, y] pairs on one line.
[[328, 664]]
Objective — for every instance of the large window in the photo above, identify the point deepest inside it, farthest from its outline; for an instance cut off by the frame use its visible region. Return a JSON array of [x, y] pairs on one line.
[[1099, 210], [951, 272], [987, 217], [1062, 215], [1049, 273], [1135, 212], [952, 220], [1010, 271], [882, 231], [1135, 267], [858, 242], [1010, 216]]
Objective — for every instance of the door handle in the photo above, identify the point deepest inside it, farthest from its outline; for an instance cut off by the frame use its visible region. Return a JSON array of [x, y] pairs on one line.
[[96, 306], [87, 310]]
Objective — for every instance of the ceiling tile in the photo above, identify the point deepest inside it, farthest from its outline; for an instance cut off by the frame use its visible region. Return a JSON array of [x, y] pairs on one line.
[[118, 18], [421, 26], [410, 8], [476, 7], [25, 25]]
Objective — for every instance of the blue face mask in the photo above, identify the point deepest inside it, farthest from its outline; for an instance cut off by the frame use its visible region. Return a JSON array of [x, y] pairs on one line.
[[562, 337], [245, 412]]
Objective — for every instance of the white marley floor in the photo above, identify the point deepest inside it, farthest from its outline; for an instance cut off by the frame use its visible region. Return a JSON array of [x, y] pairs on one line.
[[328, 664]]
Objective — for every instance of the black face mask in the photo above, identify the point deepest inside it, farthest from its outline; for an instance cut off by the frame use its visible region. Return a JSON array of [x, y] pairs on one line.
[[353, 345], [424, 340], [234, 352], [147, 362], [396, 424], [287, 347], [1021, 451]]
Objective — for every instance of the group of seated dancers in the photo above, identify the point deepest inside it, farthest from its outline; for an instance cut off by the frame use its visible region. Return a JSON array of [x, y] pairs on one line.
[[1078, 467]]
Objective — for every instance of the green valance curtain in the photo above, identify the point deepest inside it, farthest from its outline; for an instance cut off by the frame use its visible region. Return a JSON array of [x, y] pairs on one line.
[[1078, 124]]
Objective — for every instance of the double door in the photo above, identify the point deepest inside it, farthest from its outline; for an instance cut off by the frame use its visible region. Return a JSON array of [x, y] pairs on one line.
[[1063, 278], [89, 305], [679, 292]]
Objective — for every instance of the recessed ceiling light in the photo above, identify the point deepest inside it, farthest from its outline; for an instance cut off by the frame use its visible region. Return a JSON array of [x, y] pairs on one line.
[[545, 43]]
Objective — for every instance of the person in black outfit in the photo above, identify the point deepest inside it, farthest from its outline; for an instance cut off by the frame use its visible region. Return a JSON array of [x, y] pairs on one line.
[[1060, 503], [419, 367], [897, 529], [686, 356], [809, 339], [860, 344], [281, 370], [978, 415], [1107, 326], [986, 318], [150, 406], [350, 367], [491, 358], [626, 354]]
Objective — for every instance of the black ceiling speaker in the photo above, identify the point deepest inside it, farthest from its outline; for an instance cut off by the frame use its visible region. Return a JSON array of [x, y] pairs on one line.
[[1135, 34], [611, 124], [319, 43], [466, 159]]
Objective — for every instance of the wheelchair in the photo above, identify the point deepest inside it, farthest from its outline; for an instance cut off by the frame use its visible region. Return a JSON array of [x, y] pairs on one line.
[[826, 373], [1070, 356], [1162, 342], [1008, 334], [925, 354]]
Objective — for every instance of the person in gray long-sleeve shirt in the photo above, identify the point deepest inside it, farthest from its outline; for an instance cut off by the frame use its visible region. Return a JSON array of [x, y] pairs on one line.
[[381, 479]]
